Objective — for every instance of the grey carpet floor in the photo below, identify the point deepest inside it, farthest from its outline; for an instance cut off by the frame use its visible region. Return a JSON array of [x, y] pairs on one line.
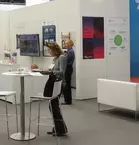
[[86, 126]]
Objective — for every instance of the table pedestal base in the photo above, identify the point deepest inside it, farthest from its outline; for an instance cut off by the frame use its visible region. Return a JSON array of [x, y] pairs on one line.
[[19, 137]]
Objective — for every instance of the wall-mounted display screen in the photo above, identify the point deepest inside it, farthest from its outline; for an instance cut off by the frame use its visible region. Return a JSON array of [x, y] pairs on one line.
[[29, 44]]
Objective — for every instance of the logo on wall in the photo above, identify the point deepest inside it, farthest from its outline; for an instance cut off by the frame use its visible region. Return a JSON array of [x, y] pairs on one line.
[[137, 1]]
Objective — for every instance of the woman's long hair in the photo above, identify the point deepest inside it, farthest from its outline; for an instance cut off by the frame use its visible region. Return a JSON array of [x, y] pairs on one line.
[[55, 48]]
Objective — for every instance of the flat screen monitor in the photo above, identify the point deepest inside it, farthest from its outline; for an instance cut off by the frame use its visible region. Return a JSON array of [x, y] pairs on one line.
[[29, 45]]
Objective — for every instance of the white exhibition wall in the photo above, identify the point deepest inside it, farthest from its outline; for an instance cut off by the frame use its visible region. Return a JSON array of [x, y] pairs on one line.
[[30, 20], [114, 66], [118, 63], [4, 32], [67, 16]]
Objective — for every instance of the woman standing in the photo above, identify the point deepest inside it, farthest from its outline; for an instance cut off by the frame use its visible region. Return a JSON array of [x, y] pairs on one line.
[[57, 73]]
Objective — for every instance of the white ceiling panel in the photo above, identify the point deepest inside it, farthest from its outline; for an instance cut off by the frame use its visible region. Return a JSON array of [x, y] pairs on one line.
[[4, 7]]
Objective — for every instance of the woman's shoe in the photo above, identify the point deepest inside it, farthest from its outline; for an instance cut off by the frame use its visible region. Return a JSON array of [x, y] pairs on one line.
[[66, 103], [50, 133], [59, 134]]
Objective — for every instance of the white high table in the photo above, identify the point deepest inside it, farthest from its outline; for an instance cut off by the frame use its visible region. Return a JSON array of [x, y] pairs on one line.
[[22, 135]]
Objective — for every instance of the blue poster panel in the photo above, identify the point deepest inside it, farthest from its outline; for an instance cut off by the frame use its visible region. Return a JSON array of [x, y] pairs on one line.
[[134, 39], [49, 35]]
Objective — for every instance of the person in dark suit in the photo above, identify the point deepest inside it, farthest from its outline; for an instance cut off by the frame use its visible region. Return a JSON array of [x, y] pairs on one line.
[[57, 73], [70, 56]]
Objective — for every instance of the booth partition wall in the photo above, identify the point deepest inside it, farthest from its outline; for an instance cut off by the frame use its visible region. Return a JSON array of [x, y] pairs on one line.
[[134, 37]]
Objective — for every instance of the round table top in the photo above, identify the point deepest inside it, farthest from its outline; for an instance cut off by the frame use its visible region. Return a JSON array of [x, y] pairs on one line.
[[16, 73], [22, 74]]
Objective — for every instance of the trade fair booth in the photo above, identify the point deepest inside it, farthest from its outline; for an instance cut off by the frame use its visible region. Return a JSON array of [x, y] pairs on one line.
[[108, 58], [100, 30]]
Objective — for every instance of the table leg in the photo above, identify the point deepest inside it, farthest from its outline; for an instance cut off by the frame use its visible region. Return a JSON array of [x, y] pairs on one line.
[[22, 109], [22, 136]]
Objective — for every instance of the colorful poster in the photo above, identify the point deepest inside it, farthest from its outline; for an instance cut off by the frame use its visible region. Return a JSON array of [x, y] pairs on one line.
[[134, 40], [93, 37], [49, 35], [64, 37]]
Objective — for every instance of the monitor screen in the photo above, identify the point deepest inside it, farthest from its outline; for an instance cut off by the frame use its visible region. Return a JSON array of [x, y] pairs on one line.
[[29, 45]]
